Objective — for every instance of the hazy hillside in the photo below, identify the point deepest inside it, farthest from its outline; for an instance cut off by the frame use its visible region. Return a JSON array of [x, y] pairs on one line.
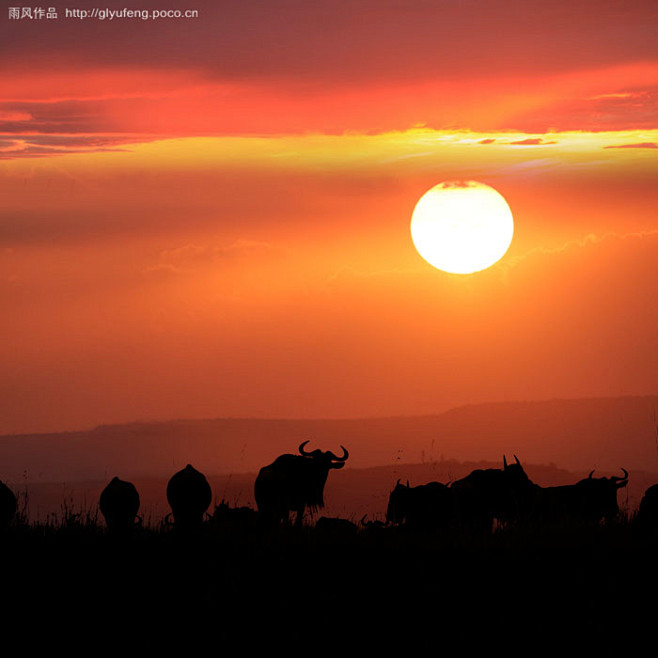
[[575, 434]]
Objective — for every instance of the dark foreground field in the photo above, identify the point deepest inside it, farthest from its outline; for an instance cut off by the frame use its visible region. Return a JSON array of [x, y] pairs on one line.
[[585, 591]]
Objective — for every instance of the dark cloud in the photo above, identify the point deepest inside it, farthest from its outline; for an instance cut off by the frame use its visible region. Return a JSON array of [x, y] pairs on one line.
[[486, 141], [54, 117], [640, 145], [347, 40], [30, 146], [531, 141], [458, 184], [627, 108], [14, 116], [303, 50]]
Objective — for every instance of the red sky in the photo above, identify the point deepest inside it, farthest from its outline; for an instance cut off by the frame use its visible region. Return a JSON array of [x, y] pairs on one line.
[[210, 217]]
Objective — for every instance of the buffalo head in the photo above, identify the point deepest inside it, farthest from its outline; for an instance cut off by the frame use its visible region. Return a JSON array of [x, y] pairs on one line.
[[600, 495], [326, 458], [398, 503]]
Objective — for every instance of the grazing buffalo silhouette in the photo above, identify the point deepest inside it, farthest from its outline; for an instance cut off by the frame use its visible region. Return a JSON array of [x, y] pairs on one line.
[[335, 527], [646, 519], [590, 500], [189, 496], [291, 483], [119, 504], [425, 507], [485, 495], [235, 520], [8, 505], [374, 528]]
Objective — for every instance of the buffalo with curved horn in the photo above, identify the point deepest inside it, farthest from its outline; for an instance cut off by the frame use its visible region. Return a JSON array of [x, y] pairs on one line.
[[590, 500], [189, 496], [292, 483], [374, 525], [485, 495], [119, 504]]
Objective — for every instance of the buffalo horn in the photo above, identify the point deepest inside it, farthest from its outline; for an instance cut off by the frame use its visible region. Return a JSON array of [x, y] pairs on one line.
[[301, 448], [339, 459], [617, 477]]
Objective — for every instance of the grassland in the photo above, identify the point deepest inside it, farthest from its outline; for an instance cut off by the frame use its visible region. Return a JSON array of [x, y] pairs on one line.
[[554, 591]]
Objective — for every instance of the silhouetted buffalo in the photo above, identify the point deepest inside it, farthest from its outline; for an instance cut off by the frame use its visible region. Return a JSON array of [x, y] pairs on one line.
[[8, 505], [646, 518], [376, 530], [424, 507], [485, 495], [291, 483], [119, 504], [335, 528], [590, 500], [189, 496], [235, 520], [375, 523]]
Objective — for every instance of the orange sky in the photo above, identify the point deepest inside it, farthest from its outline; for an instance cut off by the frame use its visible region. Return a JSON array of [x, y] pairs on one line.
[[210, 217]]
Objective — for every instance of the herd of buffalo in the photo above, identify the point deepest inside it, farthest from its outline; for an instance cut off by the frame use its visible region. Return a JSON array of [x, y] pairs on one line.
[[295, 482]]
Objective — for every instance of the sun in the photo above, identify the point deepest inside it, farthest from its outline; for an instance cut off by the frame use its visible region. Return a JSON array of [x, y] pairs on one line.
[[462, 226]]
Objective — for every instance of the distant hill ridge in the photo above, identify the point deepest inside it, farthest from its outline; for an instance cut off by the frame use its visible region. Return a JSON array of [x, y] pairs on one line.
[[581, 434]]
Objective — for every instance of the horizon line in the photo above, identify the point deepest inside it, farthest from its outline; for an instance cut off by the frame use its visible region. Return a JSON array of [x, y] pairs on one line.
[[325, 419]]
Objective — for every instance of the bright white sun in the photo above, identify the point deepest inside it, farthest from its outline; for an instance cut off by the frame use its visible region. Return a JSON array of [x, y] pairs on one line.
[[462, 226]]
